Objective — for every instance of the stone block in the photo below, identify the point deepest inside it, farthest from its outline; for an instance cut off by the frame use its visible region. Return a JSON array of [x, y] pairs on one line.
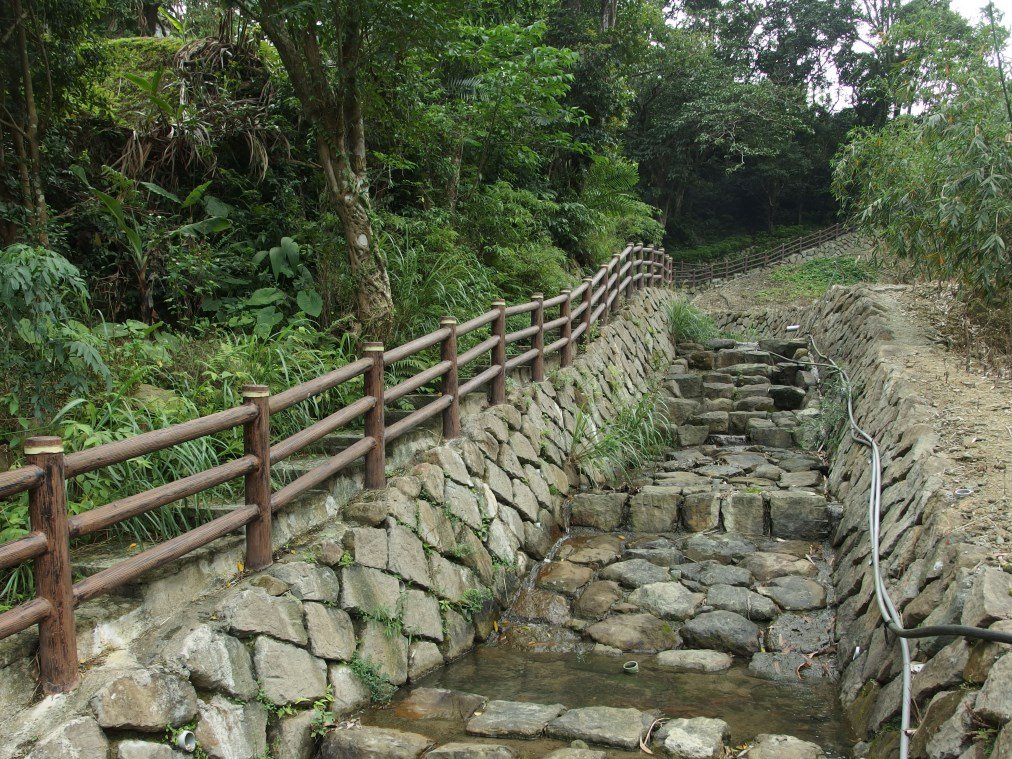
[[989, 600], [686, 385], [308, 582], [421, 615], [423, 657], [715, 421], [80, 738], [406, 555], [288, 673], [350, 693], [369, 590], [331, 634], [254, 611], [744, 513], [368, 546], [215, 661], [701, 511], [797, 514], [655, 508], [691, 434], [144, 700], [388, 653], [679, 410], [603, 511], [463, 504], [226, 730]]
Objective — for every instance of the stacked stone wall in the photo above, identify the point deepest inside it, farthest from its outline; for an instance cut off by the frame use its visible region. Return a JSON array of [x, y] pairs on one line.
[[962, 689], [396, 583]]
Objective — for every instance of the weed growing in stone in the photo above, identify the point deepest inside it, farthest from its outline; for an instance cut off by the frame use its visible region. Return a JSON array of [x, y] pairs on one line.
[[824, 432], [473, 601], [381, 690], [637, 434]]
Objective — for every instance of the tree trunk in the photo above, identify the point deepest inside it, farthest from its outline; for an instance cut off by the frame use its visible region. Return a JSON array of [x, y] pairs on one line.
[[38, 197], [335, 110]]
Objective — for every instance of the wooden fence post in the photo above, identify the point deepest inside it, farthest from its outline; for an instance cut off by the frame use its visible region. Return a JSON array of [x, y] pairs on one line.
[[588, 295], [565, 309], [498, 386], [47, 510], [617, 260], [450, 384], [375, 459], [256, 441], [538, 341]]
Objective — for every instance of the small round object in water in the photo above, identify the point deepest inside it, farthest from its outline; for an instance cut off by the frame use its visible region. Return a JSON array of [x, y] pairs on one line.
[[631, 667], [963, 492]]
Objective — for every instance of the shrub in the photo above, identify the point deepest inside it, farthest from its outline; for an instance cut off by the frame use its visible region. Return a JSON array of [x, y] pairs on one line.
[[48, 355]]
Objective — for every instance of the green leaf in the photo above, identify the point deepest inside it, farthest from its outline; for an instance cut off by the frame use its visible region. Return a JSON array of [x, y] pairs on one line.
[[159, 190], [196, 194], [265, 296], [310, 301]]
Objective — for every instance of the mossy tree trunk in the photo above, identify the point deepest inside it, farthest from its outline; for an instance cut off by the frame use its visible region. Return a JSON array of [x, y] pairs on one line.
[[309, 46]]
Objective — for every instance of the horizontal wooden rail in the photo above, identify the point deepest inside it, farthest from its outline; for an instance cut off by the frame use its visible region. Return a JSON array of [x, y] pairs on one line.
[[521, 334], [24, 616], [411, 384], [484, 346], [307, 390], [415, 346], [115, 512], [47, 469], [479, 321], [19, 480], [31, 545], [322, 473], [318, 430], [156, 440], [750, 259], [480, 379], [129, 569], [418, 417]]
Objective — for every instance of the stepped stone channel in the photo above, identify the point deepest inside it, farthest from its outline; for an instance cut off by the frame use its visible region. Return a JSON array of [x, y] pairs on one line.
[[709, 569]]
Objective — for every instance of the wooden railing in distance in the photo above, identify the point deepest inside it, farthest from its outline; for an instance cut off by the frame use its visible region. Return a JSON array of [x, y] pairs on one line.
[[47, 468], [694, 274]]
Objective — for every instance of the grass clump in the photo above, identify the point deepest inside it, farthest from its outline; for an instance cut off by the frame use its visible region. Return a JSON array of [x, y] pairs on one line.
[[812, 278], [638, 433], [688, 324], [381, 690], [825, 431]]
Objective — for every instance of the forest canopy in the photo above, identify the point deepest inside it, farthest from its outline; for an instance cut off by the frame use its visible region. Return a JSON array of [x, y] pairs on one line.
[[247, 171]]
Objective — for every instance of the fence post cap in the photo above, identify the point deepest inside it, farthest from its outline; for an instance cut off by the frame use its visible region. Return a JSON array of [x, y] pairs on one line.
[[538, 296], [499, 302], [43, 444], [255, 391], [447, 320], [373, 348], [565, 290], [588, 279]]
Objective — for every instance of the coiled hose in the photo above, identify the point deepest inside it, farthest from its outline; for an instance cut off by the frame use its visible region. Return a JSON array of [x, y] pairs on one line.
[[886, 608]]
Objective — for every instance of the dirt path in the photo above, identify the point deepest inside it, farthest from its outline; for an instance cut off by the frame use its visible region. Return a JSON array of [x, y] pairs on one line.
[[973, 420]]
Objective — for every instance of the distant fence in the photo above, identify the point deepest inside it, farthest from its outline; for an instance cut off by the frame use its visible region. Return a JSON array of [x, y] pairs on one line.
[[47, 468], [693, 275]]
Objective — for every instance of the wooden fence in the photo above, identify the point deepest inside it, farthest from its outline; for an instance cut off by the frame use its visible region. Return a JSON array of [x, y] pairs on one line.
[[47, 467], [692, 275]]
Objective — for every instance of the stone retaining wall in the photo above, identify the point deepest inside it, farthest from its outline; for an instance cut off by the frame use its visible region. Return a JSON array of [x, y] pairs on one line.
[[962, 690], [397, 582]]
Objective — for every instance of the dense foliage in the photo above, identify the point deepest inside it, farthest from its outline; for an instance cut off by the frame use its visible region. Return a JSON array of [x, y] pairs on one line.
[[936, 187], [197, 195]]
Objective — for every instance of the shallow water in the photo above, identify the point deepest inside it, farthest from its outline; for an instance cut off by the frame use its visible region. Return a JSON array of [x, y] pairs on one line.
[[750, 706]]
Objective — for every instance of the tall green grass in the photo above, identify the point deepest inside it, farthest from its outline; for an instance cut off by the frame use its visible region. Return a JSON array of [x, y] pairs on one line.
[[688, 324], [638, 433]]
